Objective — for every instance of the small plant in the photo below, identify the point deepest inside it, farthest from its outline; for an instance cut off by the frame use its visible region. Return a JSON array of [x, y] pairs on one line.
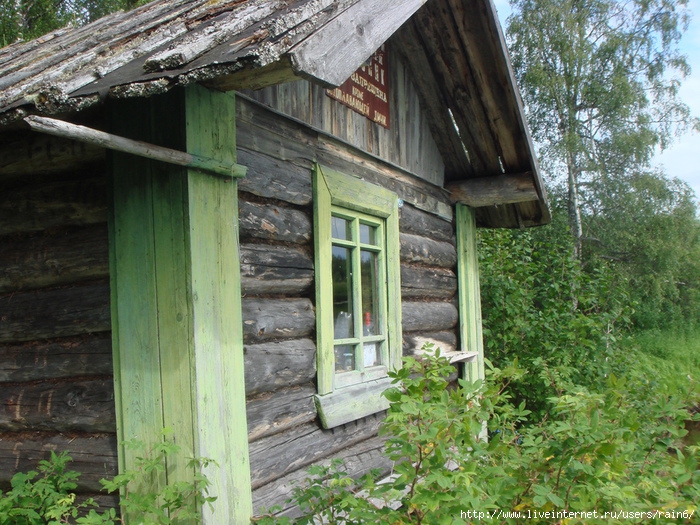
[[46, 497]]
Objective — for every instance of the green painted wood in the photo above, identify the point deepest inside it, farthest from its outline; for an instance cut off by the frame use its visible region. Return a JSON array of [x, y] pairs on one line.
[[351, 403], [216, 302], [470, 324]]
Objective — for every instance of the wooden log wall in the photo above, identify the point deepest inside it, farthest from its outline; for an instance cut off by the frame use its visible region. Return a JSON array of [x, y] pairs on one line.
[[56, 391], [276, 227]]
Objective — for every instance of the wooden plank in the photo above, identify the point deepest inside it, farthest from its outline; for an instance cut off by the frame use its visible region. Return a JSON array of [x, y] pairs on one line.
[[418, 222], [56, 312], [424, 250], [273, 412], [422, 282], [274, 365], [492, 191], [275, 223], [428, 316], [40, 207], [54, 258], [277, 270], [351, 403], [84, 406], [87, 355], [271, 319], [94, 456]]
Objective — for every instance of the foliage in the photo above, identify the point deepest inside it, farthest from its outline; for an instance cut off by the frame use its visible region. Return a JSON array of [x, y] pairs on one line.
[[46, 497], [619, 448]]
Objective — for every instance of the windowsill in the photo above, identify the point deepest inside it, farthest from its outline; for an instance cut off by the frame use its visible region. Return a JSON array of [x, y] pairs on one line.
[[352, 402]]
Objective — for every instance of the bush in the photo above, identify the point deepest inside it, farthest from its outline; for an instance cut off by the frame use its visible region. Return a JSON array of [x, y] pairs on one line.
[[617, 450]]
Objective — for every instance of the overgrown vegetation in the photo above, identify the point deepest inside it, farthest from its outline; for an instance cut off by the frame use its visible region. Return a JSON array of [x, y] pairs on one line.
[[618, 448], [46, 496]]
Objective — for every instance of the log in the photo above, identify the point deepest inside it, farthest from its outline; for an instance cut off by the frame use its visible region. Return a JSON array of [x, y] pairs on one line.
[[87, 355], [418, 222], [275, 456], [54, 258], [492, 191], [428, 316], [274, 178], [94, 456], [278, 270], [273, 223], [424, 282], [270, 366], [422, 250], [83, 406], [445, 341], [58, 204], [270, 319], [56, 312], [274, 412]]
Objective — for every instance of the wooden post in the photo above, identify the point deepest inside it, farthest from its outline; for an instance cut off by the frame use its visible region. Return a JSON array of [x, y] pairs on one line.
[[176, 303]]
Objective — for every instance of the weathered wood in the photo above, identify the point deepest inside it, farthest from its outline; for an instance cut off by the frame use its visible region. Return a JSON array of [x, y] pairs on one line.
[[274, 365], [492, 191], [270, 457], [57, 312], [94, 456], [273, 223], [54, 258], [426, 282], [348, 404], [358, 460], [418, 222], [26, 154], [423, 250], [413, 342], [275, 270], [273, 177], [86, 406], [428, 316], [72, 357], [269, 319], [283, 409], [40, 207], [110, 141]]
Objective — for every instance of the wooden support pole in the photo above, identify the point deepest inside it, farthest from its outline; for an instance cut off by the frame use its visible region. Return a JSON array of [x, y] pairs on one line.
[[60, 128]]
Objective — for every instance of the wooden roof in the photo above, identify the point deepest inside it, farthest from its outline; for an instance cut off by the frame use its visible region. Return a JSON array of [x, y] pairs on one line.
[[454, 49]]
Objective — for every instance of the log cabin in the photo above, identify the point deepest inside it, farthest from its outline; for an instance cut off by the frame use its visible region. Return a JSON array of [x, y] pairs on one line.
[[231, 218]]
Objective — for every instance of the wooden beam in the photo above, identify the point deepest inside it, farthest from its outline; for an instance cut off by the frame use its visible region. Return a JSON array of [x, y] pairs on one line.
[[63, 129], [492, 191]]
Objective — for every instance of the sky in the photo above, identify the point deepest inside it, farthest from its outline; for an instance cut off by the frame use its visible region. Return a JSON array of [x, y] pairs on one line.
[[682, 159]]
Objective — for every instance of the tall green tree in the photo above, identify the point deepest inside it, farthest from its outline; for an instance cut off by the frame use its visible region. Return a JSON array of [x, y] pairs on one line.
[[600, 81]]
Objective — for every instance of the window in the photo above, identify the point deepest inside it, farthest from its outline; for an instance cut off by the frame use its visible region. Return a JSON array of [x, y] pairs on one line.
[[357, 295]]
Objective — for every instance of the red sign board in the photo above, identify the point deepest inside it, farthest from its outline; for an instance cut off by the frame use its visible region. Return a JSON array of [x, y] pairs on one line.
[[367, 89]]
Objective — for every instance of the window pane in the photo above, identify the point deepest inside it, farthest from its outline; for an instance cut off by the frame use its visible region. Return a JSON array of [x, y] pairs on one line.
[[342, 293], [340, 229], [368, 234], [344, 358], [370, 292], [372, 354]]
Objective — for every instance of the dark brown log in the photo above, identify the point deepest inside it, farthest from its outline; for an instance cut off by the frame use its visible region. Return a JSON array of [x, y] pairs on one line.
[[358, 460], [55, 258], [428, 316], [492, 191], [267, 270], [73, 357], [273, 223], [418, 222], [422, 250], [57, 312], [425, 282], [269, 319], [413, 342], [40, 207], [94, 456], [84, 406], [275, 456], [274, 178], [270, 366], [274, 412]]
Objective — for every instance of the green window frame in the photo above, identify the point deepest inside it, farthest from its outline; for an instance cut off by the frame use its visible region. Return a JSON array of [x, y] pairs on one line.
[[358, 321]]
